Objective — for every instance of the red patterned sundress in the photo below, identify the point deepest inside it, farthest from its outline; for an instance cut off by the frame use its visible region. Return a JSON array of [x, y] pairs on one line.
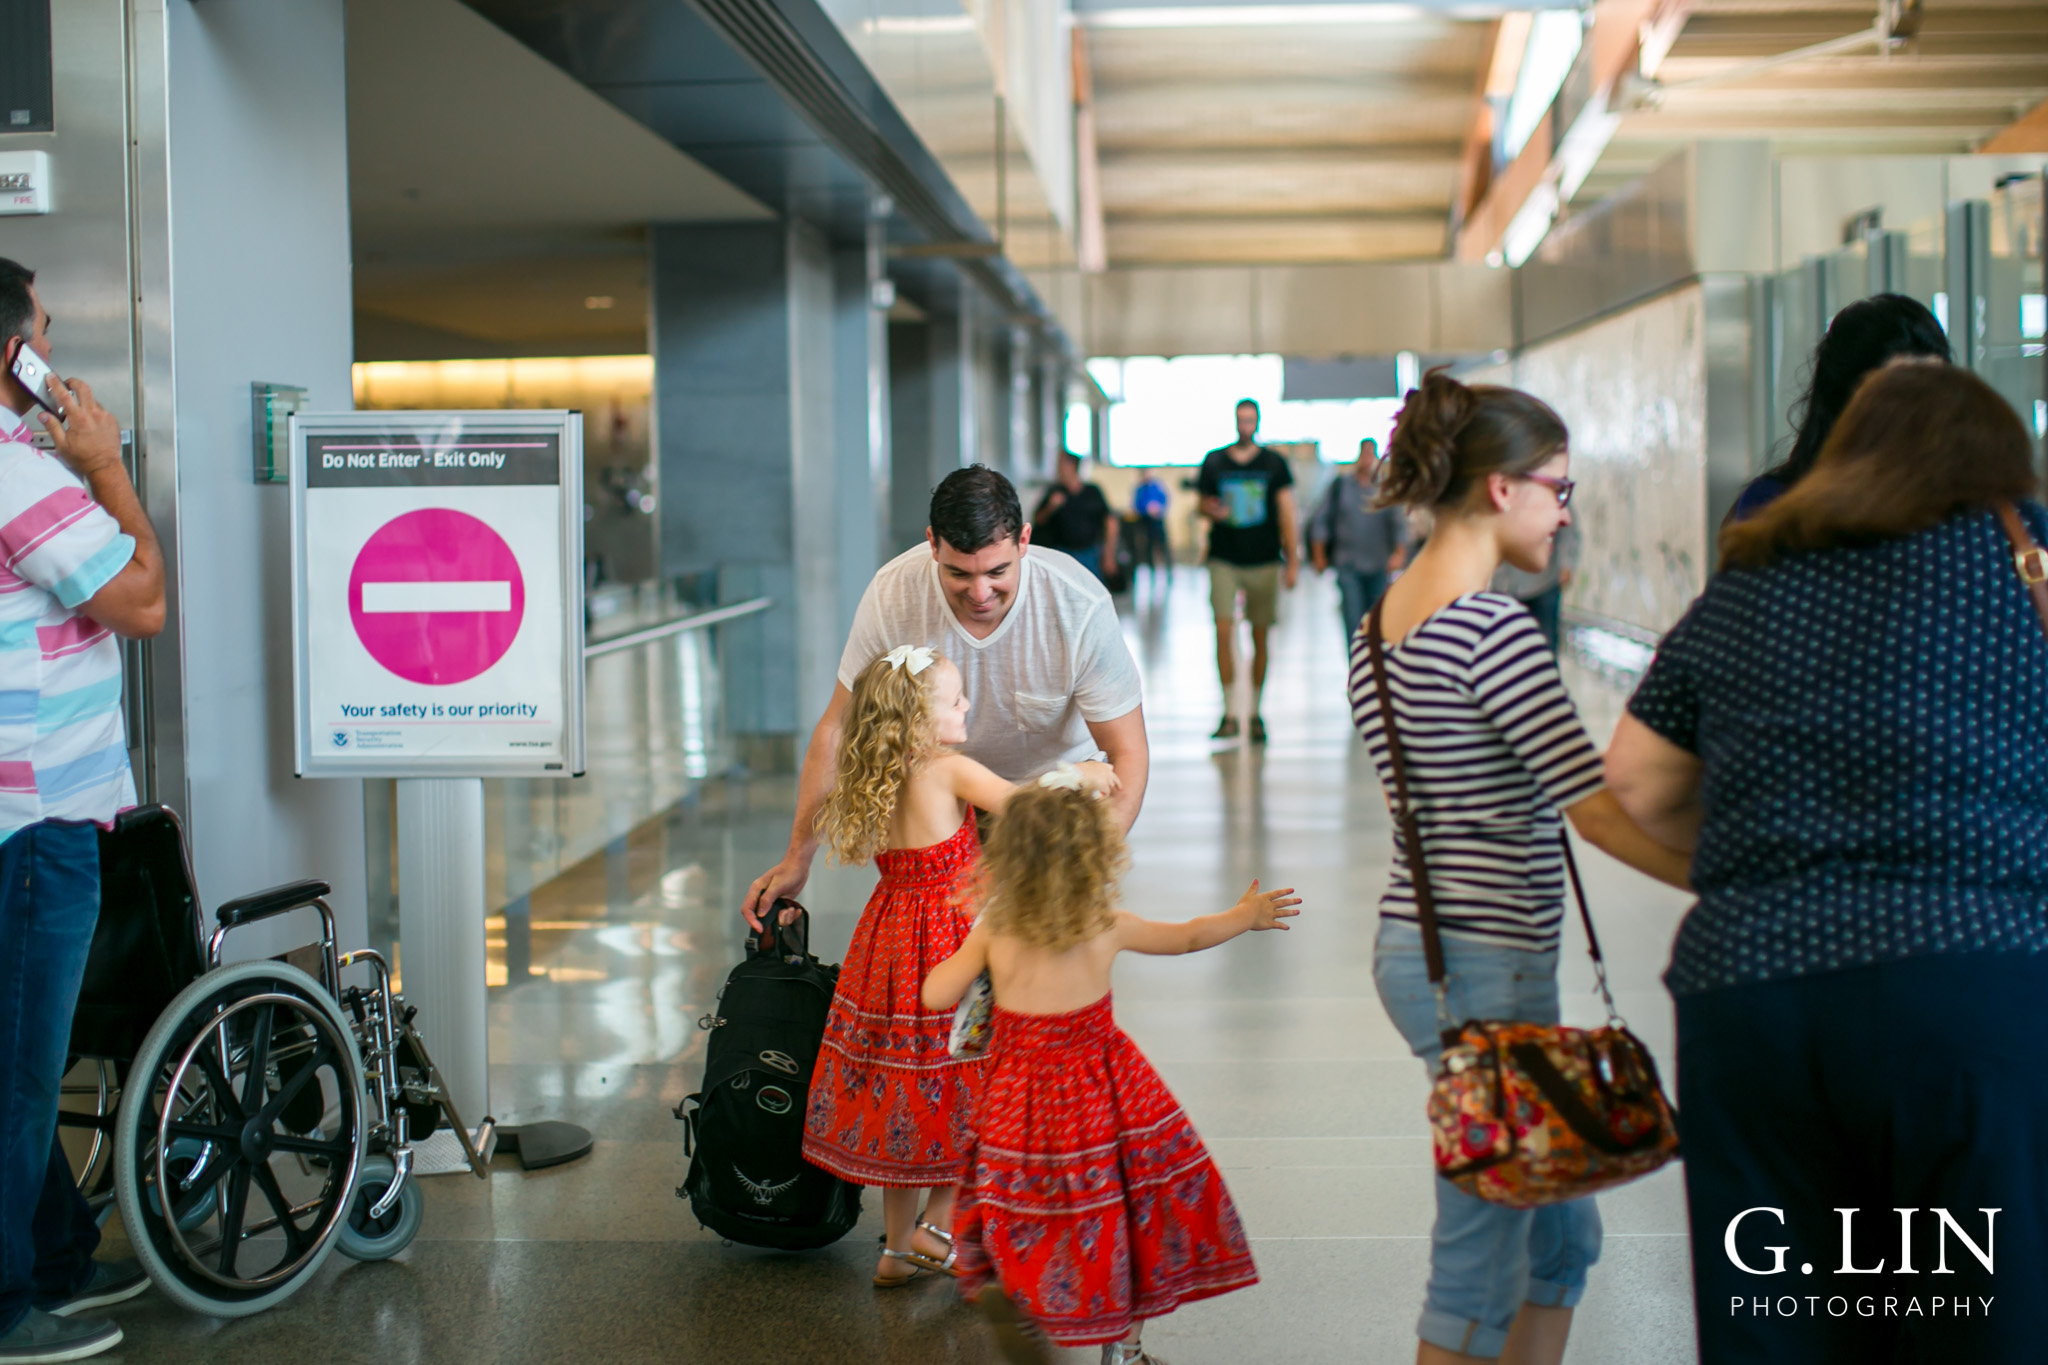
[[1091, 1202], [889, 1104]]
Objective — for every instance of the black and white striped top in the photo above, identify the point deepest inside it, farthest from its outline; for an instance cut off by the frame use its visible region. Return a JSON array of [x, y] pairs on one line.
[[1495, 748]]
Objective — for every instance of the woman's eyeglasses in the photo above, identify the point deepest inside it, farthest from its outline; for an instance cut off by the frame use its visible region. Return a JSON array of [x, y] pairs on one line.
[[1562, 487]]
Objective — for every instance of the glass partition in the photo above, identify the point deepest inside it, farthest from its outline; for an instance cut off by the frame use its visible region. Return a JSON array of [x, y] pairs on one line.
[[2016, 305]]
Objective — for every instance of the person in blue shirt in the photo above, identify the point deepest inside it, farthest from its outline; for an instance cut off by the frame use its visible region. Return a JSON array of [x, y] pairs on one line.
[[1863, 336], [1152, 548], [1849, 729]]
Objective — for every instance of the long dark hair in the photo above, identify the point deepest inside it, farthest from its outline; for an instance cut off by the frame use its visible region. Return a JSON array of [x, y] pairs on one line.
[[1449, 436], [1920, 441], [1862, 337]]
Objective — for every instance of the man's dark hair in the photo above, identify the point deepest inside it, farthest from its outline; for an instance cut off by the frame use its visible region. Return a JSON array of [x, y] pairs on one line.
[[974, 508], [17, 305], [1251, 403]]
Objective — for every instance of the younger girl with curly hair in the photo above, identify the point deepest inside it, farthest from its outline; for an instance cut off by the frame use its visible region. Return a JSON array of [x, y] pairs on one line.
[[1089, 1204], [889, 1105]]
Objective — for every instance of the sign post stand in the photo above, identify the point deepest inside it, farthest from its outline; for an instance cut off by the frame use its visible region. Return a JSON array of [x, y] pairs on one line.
[[441, 928], [437, 613]]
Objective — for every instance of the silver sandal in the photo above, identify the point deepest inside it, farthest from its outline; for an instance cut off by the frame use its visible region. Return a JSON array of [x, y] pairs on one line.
[[940, 1265], [1127, 1353], [918, 1270]]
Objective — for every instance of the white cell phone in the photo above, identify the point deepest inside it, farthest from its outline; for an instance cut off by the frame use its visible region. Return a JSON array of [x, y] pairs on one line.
[[35, 374]]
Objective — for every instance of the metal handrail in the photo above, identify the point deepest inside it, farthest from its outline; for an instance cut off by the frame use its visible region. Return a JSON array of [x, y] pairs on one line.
[[648, 635]]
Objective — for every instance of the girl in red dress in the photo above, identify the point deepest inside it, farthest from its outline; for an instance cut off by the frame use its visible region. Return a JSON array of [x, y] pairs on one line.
[[1089, 1204], [889, 1105]]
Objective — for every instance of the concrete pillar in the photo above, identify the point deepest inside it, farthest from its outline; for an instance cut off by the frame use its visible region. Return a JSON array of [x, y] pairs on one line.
[[934, 414], [860, 391], [243, 216], [910, 433], [743, 336]]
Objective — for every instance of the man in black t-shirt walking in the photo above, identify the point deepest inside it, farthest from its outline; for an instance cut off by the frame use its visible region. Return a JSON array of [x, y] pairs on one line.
[[1247, 494], [1074, 517]]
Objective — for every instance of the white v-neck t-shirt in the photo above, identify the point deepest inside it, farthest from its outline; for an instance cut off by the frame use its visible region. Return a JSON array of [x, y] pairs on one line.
[[1056, 662]]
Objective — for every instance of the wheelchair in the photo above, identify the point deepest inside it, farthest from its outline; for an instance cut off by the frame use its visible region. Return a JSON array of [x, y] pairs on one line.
[[247, 1119]]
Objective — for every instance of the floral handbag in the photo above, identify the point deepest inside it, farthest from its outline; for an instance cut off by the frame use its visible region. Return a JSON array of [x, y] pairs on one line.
[[972, 1019], [1526, 1114]]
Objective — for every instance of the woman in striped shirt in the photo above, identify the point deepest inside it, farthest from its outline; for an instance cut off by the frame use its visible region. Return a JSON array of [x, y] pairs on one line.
[[1494, 751]]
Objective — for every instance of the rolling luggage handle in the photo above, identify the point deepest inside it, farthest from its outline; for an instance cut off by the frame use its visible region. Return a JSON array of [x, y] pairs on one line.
[[793, 938]]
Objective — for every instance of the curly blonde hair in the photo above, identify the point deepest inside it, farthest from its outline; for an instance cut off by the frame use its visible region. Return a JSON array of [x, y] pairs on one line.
[[1050, 870], [888, 737]]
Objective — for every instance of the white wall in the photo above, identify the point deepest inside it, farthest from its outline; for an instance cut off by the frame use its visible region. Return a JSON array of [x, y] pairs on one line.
[[260, 291], [1632, 389]]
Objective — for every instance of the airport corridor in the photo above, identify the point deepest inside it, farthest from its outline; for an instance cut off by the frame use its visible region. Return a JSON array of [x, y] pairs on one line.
[[1276, 1044]]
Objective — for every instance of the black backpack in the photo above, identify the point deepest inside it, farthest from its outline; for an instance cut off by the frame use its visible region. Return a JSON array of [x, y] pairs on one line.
[[744, 1130]]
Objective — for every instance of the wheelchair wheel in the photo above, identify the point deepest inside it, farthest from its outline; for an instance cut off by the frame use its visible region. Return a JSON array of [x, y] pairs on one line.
[[364, 1238], [86, 1103], [230, 1203]]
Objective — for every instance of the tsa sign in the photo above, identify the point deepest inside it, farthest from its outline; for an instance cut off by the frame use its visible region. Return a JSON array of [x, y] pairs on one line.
[[438, 594]]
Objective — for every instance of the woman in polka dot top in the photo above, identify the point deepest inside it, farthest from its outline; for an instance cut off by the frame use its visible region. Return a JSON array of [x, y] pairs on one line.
[[1850, 728]]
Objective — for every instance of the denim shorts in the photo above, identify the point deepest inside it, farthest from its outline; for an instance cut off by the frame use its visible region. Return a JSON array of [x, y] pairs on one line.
[[1485, 1260]]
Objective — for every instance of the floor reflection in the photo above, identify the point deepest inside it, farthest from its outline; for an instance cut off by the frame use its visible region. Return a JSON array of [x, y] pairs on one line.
[[1276, 1044]]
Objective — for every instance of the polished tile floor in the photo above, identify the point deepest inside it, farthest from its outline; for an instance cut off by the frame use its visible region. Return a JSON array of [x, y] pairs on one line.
[[1275, 1043]]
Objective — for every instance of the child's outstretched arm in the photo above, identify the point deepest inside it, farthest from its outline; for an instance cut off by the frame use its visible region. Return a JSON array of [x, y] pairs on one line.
[[1255, 910], [983, 790], [950, 979]]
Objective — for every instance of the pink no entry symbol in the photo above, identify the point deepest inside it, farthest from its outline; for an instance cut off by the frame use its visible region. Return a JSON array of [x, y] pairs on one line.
[[436, 596]]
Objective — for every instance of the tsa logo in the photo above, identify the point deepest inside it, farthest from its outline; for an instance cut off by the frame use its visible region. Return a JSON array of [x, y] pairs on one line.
[[341, 739]]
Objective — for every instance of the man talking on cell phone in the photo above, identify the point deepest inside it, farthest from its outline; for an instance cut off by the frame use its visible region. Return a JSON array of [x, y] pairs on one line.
[[79, 566]]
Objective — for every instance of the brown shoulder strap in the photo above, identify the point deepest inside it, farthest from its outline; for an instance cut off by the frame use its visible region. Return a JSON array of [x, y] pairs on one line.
[[2028, 559], [1411, 829], [1404, 805]]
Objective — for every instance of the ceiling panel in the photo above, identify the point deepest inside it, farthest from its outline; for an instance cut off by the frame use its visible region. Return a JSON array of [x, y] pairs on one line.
[[1206, 184], [1275, 240], [1303, 113], [1283, 142]]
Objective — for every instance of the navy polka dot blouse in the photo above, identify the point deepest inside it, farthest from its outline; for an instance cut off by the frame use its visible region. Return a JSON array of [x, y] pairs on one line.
[[1874, 728]]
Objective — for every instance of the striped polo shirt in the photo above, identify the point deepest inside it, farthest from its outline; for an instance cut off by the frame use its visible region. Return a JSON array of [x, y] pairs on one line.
[[63, 747], [1495, 749]]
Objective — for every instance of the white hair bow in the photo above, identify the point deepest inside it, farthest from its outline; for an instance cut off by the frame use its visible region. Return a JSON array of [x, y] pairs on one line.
[[1066, 778], [916, 658]]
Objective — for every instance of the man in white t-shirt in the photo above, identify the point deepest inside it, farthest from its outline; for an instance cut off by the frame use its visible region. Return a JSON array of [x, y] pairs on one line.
[[1035, 637]]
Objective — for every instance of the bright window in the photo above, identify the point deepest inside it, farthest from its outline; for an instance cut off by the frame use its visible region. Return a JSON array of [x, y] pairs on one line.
[[1173, 411]]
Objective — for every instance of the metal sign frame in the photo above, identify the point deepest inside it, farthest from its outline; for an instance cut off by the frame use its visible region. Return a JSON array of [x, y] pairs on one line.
[[449, 428]]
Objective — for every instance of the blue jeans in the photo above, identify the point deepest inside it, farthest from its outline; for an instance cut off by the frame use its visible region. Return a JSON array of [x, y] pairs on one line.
[[49, 904], [1090, 559], [1357, 590], [1485, 1260]]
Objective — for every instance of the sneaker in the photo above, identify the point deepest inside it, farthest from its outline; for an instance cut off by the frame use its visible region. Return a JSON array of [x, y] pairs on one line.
[[111, 1282], [1227, 730], [1258, 730], [46, 1337]]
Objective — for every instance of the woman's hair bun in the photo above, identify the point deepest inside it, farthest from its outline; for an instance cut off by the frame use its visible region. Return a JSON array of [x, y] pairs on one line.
[[1422, 453]]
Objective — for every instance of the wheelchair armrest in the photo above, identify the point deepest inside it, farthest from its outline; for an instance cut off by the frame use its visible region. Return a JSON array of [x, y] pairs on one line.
[[274, 901]]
